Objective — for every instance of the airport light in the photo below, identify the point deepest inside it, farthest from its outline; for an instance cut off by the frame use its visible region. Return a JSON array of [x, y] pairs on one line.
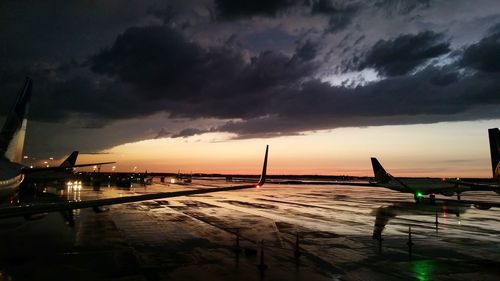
[[420, 195]]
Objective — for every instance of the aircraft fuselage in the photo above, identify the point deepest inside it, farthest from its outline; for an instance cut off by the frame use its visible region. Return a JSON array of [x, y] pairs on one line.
[[424, 186]]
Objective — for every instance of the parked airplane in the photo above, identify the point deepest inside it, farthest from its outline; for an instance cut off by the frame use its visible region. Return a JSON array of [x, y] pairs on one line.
[[63, 171], [38, 208], [12, 172], [433, 206], [420, 187]]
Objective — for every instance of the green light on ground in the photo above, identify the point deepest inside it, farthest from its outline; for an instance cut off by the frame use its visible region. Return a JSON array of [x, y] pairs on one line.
[[423, 269], [420, 195]]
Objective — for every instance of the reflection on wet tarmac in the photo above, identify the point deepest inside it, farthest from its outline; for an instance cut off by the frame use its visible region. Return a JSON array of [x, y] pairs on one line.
[[194, 238], [438, 209]]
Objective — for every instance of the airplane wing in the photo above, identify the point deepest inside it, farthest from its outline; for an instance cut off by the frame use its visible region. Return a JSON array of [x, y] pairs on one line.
[[38, 208], [31, 209], [92, 164]]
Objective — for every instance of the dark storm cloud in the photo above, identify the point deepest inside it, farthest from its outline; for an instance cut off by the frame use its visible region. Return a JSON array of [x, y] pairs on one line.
[[402, 54], [60, 29], [260, 64], [82, 99], [163, 133], [340, 13], [245, 8], [155, 68], [189, 132], [324, 7], [149, 57], [342, 18], [231, 9], [484, 55], [277, 97], [161, 63], [306, 51], [431, 95], [402, 6]]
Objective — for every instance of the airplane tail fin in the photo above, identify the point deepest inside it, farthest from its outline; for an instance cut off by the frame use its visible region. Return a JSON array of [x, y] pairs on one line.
[[264, 170], [70, 161], [381, 176], [14, 128], [494, 136]]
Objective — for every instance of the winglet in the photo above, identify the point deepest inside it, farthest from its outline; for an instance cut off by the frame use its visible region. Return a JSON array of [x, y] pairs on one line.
[[494, 136], [14, 128], [264, 170], [70, 161], [381, 176]]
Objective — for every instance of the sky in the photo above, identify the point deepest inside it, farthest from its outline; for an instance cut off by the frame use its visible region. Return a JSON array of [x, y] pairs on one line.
[[204, 85]]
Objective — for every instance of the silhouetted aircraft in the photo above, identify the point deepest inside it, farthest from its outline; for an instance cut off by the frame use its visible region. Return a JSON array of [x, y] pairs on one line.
[[419, 187], [12, 172], [62, 172], [37, 208]]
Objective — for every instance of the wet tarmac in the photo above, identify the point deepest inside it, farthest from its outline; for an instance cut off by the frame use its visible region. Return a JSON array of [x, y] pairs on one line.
[[306, 232]]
